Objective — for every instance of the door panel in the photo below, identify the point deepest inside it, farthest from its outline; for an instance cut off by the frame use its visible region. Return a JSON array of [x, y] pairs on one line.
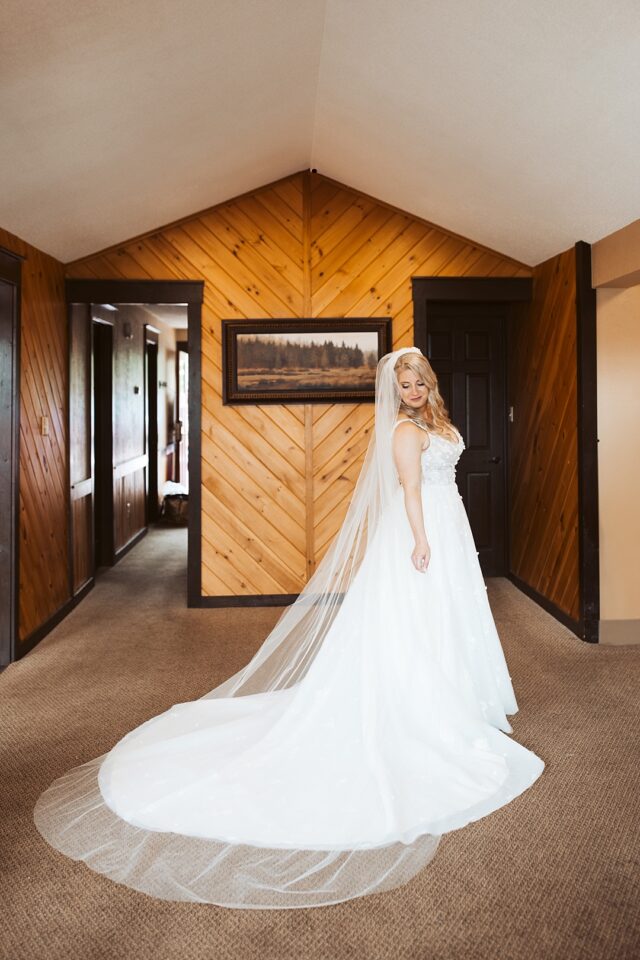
[[80, 447], [465, 346], [182, 415], [102, 444], [8, 468], [151, 426]]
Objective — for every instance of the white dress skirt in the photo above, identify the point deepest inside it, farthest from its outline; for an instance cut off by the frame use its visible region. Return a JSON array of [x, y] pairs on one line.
[[341, 784]]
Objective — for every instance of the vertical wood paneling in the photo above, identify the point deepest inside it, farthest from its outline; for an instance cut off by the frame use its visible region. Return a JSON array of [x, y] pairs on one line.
[[543, 467], [276, 479], [44, 496], [82, 520]]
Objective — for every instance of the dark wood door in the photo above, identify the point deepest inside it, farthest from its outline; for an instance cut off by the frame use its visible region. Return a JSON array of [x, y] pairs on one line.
[[104, 546], [9, 403], [151, 426], [465, 346], [181, 473]]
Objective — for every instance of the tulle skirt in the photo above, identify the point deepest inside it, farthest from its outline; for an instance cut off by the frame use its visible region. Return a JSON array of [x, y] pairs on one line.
[[334, 787]]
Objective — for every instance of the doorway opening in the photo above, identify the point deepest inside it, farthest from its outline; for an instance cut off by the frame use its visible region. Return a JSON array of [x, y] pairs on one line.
[[144, 339], [460, 325]]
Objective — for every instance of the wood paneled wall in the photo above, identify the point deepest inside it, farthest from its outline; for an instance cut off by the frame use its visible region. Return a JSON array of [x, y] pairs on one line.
[[44, 584], [129, 461], [543, 469], [363, 256], [276, 480]]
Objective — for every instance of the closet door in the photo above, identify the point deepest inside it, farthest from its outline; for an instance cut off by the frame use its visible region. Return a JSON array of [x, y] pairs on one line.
[[465, 345]]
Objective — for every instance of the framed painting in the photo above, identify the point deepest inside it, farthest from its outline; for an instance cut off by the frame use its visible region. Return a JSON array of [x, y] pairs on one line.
[[302, 361]]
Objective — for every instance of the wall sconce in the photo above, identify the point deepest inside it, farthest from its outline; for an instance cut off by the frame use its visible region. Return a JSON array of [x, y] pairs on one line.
[[127, 331]]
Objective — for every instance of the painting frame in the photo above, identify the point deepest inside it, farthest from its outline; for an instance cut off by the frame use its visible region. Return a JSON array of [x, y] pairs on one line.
[[233, 393]]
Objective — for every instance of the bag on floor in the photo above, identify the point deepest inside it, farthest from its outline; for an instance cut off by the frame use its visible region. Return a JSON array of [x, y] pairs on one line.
[[175, 509]]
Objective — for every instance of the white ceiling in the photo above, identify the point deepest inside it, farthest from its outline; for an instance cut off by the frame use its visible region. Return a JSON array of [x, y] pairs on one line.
[[171, 314], [514, 123]]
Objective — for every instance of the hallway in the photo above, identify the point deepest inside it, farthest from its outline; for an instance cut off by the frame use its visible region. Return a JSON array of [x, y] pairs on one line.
[[553, 874]]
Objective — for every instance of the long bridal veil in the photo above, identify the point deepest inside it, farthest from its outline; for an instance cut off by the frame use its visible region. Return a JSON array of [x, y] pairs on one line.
[[72, 814], [291, 646]]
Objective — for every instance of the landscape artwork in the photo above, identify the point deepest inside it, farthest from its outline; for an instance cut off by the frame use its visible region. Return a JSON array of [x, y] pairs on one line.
[[269, 362]]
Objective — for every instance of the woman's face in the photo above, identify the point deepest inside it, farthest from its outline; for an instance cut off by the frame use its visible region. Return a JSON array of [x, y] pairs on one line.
[[413, 390]]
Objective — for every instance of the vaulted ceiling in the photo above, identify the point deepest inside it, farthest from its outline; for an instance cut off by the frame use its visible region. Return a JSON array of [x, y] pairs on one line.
[[514, 123]]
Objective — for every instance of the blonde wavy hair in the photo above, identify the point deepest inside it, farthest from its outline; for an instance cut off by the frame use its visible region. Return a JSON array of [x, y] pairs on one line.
[[436, 415]]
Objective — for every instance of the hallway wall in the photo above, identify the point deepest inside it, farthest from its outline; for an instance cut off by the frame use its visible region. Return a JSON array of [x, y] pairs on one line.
[[616, 261], [618, 418], [44, 584], [276, 479]]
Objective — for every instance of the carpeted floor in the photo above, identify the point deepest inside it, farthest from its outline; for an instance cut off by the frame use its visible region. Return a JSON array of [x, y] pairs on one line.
[[552, 875]]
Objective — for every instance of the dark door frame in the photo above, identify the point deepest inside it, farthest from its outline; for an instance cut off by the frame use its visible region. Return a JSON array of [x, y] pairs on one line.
[[11, 274], [151, 340], [190, 292], [520, 289], [588, 507]]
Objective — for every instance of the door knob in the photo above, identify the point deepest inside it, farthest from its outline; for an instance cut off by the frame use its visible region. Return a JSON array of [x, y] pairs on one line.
[[493, 460]]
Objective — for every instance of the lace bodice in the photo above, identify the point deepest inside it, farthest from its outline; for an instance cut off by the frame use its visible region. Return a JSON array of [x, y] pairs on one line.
[[440, 458]]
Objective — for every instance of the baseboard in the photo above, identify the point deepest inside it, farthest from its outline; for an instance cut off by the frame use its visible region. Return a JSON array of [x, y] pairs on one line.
[[25, 646], [620, 632], [587, 631], [257, 600]]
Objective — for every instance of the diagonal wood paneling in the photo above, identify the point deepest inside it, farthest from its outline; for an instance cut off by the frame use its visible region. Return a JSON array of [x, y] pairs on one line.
[[249, 253], [44, 583], [277, 479], [363, 256], [543, 450]]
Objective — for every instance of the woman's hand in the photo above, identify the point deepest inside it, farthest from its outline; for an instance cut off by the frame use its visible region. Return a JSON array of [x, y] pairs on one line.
[[421, 556]]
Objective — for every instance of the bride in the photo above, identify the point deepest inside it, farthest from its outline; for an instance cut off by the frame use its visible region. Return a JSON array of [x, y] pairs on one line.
[[371, 720]]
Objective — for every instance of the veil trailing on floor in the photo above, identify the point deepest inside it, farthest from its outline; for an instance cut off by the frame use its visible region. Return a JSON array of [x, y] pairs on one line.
[[73, 816]]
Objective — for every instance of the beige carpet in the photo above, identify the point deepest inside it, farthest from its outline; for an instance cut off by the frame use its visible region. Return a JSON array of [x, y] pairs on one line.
[[552, 875]]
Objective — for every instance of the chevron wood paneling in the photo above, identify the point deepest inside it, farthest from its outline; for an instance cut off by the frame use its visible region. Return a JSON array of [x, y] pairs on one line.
[[44, 585], [363, 256], [543, 448], [276, 479]]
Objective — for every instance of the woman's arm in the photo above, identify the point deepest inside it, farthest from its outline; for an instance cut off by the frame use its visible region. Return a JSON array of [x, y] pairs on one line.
[[407, 450]]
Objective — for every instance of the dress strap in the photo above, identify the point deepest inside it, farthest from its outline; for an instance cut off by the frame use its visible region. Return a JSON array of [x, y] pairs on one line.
[[407, 420]]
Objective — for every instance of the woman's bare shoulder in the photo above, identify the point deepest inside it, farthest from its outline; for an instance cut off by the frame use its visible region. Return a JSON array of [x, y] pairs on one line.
[[414, 436]]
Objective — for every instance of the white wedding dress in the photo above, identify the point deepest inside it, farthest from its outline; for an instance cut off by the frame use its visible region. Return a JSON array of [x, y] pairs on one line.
[[342, 783]]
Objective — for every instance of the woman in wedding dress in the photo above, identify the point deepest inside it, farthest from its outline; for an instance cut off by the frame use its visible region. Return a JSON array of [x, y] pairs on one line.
[[371, 720]]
